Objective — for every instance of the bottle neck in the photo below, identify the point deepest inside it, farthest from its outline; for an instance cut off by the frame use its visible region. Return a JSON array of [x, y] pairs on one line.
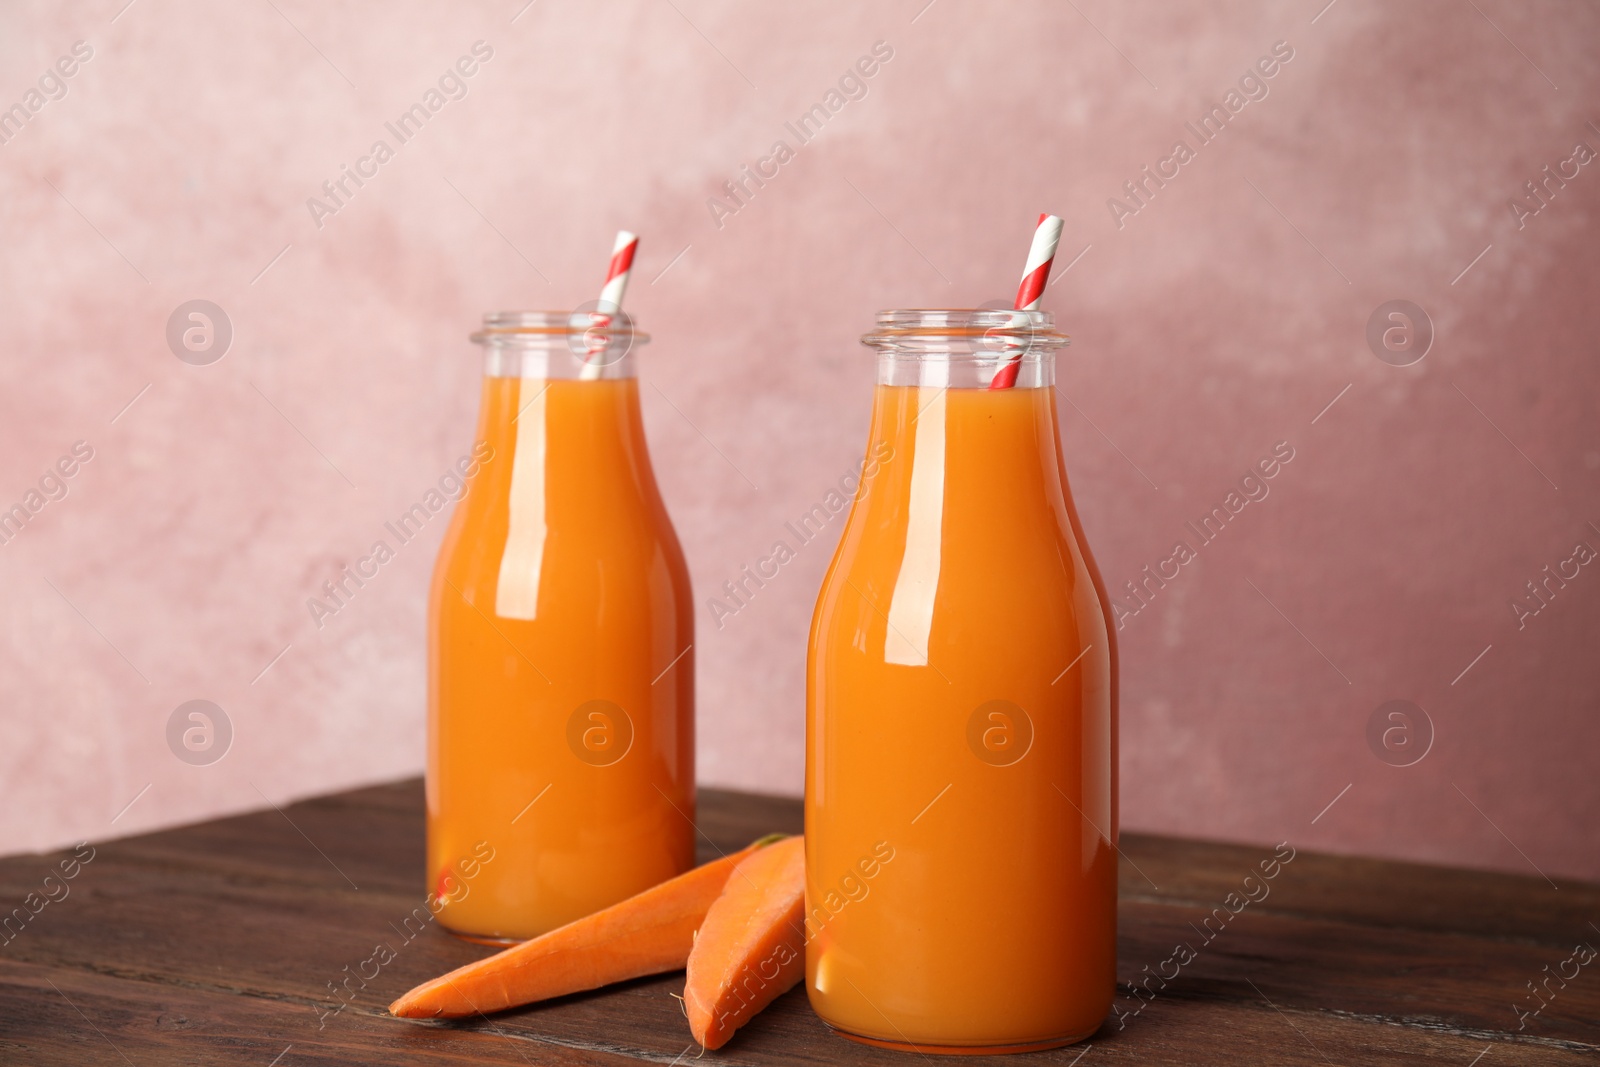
[[968, 370], [561, 389], [553, 363], [580, 345], [562, 419], [966, 348], [988, 434]]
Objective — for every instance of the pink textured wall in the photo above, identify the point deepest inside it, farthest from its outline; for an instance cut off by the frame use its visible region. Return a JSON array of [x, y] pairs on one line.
[[1212, 319]]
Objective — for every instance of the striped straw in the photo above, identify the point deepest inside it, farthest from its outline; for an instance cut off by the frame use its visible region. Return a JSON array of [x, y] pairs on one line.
[[622, 266], [1035, 274], [611, 293]]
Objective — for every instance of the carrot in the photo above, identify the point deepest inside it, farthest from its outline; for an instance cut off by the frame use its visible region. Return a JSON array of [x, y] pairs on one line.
[[751, 947], [645, 934]]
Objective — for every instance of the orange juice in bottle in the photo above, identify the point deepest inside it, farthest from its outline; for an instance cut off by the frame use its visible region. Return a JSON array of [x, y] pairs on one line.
[[560, 663], [961, 721]]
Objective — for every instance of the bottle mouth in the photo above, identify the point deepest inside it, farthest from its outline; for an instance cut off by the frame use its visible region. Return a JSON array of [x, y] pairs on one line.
[[582, 328], [964, 330]]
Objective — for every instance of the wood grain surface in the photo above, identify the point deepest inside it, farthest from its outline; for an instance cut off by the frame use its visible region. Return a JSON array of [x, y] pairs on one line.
[[222, 943]]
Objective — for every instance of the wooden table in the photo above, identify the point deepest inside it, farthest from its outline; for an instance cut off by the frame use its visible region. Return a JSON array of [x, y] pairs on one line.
[[217, 943]]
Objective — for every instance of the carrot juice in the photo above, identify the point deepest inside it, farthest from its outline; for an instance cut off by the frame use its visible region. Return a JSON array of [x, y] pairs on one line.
[[561, 670], [961, 724]]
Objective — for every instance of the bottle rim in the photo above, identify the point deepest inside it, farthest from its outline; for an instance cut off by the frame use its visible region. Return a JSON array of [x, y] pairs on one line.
[[504, 329], [923, 329]]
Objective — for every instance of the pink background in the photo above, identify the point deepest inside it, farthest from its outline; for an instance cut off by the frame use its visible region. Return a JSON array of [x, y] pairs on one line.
[[1220, 319]]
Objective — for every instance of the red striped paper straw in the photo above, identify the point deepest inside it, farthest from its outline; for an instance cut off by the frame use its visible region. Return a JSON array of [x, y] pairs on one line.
[[610, 302], [622, 266], [1035, 275]]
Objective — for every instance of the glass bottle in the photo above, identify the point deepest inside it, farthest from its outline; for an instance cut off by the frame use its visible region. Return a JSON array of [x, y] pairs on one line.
[[560, 645], [961, 713]]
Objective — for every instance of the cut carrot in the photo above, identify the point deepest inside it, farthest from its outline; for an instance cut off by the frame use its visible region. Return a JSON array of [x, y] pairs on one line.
[[645, 934], [751, 947]]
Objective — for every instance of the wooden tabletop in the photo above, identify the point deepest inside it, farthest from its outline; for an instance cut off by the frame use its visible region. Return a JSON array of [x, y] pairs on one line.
[[219, 943]]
